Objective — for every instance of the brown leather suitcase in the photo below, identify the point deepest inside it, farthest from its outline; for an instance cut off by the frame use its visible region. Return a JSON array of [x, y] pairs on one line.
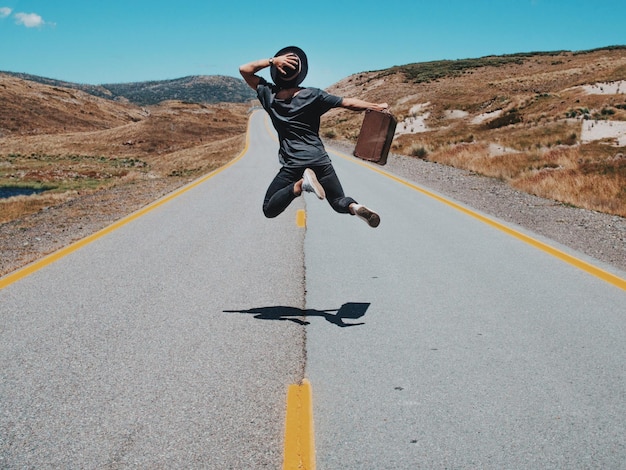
[[375, 138]]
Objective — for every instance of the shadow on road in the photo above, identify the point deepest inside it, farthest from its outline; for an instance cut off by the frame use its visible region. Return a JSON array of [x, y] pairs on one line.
[[348, 311]]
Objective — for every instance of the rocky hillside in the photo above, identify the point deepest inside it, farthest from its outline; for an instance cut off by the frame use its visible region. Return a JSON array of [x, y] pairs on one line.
[[551, 123], [454, 98], [196, 89]]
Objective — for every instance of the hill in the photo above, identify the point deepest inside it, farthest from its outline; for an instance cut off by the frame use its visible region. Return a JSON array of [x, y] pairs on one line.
[[549, 123], [197, 89], [29, 107], [70, 144]]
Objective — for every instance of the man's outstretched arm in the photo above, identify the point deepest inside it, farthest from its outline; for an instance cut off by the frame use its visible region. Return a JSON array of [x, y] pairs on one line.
[[355, 104]]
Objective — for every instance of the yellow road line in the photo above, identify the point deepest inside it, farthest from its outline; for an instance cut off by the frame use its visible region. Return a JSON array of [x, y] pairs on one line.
[[39, 264], [301, 218], [580, 264], [299, 437]]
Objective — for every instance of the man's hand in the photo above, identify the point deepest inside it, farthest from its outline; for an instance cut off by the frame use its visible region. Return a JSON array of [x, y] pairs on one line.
[[288, 60]]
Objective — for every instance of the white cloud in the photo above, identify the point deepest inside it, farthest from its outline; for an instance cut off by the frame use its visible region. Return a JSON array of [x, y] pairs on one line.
[[30, 20], [5, 11]]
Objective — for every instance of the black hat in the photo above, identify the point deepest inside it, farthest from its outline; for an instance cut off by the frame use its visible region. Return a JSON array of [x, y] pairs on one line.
[[292, 78]]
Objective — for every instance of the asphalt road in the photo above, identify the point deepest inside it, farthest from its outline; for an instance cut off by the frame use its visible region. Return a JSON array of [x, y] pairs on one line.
[[433, 341]]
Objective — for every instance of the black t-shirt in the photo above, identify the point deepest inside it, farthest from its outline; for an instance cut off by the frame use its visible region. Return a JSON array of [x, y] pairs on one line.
[[297, 121]]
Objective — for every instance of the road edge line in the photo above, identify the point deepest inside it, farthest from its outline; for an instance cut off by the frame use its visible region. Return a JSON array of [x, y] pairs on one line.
[[35, 266], [570, 259], [299, 449]]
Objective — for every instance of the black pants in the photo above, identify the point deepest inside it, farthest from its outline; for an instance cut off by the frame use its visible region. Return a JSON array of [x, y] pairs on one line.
[[280, 192]]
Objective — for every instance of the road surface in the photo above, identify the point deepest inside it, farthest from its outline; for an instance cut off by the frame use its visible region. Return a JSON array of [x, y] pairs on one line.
[[434, 341]]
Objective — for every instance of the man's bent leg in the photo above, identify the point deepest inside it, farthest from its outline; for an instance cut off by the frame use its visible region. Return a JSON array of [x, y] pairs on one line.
[[280, 192]]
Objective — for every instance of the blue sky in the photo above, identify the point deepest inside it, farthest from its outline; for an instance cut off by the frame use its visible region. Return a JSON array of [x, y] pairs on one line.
[[115, 41]]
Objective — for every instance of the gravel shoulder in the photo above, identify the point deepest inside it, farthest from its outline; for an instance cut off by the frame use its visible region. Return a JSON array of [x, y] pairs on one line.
[[597, 235]]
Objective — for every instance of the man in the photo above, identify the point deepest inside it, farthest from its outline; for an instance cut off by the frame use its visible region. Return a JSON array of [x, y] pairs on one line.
[[295, 113]]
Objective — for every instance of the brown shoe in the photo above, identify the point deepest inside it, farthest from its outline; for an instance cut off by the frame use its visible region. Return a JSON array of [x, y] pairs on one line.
[[368, 215]]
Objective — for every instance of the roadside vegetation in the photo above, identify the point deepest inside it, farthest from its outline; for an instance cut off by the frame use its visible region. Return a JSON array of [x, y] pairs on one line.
[[56, 178], [56, 158]]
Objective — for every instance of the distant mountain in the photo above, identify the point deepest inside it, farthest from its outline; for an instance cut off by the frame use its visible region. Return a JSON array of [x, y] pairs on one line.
[[196, 89]]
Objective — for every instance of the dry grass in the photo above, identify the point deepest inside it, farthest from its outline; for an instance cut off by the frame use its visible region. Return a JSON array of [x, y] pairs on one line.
[[593, 190], [475, 157], [18, 206], [562, 174]]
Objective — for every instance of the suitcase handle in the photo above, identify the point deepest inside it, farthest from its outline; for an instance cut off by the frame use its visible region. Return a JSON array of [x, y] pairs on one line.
[[384, 111]]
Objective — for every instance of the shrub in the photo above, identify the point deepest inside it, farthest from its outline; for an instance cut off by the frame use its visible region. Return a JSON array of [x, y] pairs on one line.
[[419, 151], [572, 113], [571, 140], [512, 117]]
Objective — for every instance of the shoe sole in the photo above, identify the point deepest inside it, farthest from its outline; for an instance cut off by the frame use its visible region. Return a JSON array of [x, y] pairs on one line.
[[311, 180], [371, 217]]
